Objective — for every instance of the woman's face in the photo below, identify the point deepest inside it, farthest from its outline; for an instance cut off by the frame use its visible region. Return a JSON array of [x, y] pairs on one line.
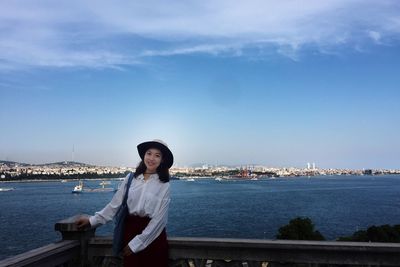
[[152, 159]]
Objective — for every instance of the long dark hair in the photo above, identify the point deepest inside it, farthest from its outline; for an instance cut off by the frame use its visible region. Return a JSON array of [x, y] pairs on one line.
[[163, 172]]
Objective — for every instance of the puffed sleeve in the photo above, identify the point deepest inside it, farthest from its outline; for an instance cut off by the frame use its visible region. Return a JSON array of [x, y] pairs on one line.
[[108, 212], [155, 226]]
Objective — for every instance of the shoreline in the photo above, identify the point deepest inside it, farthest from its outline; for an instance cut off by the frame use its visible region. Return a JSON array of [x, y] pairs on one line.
[[59, 180], [195, 178]]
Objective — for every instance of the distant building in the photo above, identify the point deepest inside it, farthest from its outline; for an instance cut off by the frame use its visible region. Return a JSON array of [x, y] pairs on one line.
[[367, 172]]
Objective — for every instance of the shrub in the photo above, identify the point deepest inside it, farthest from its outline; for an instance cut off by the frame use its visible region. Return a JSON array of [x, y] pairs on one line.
[[299, 229], [383, 233]]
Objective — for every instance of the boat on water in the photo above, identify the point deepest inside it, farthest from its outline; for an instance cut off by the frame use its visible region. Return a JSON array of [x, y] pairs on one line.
[[5, 189], [103, 183], [79, 188], [190, 180]]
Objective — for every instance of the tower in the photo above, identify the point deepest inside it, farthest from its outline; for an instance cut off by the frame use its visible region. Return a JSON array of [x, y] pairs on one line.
[[73, 152]]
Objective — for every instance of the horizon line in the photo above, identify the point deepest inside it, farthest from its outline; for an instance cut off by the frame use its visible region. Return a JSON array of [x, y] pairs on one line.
[[197, 165]]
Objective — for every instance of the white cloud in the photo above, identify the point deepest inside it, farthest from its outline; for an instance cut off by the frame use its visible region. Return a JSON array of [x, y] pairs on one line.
[[376, 36], [214, 49], [110, 34]]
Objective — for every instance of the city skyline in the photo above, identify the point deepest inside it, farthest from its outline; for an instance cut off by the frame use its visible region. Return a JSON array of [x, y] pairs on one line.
[[307, 165], [68, 165], [273, 83]]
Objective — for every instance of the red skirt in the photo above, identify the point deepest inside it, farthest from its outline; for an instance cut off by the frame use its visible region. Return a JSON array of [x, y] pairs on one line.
[[155, 254]]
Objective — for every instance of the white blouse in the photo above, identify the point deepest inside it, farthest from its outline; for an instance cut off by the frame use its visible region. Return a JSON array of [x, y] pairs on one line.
[[145, 198]]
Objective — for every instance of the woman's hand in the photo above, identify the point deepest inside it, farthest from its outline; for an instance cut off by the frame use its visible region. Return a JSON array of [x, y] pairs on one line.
[[127, 251], [82, 222]]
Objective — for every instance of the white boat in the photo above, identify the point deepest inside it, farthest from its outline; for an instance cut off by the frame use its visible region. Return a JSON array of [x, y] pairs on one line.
[[254, 179], [5, 189], [218, 179], [103, 183], [190, 180], [64, 181], [80, 189], [103, 189]]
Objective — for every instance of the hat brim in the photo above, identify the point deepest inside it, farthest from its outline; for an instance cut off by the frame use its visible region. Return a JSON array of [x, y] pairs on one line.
[[167, 157]]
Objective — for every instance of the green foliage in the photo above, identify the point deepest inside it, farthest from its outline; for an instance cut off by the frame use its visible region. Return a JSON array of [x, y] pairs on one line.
[[299, 229], [383, 233]]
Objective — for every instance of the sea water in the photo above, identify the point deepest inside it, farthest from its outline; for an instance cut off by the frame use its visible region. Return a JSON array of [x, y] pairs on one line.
[[338, 206]]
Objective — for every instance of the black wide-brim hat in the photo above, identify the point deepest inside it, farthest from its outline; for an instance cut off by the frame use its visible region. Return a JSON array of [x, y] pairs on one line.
[[167, 157]]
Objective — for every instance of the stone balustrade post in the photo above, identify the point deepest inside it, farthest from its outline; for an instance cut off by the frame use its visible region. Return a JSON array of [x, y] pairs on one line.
[[70, 231]]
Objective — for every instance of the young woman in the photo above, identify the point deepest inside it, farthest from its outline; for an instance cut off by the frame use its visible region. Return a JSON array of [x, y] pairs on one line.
[[145, 240]]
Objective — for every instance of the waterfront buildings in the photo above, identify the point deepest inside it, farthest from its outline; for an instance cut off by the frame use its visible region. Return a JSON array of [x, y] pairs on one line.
[[62, 170]]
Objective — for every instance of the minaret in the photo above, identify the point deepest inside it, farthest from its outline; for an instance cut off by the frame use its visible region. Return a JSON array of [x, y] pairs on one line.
[[73, 152]]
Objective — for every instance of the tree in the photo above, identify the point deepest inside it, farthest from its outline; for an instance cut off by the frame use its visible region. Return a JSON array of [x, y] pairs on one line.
[[383, 233], [299, 229]]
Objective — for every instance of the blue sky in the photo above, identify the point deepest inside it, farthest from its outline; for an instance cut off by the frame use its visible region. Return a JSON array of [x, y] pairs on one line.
[[276, 83]]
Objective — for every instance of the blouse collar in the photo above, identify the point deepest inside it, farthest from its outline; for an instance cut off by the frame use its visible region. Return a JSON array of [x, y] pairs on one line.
[[152, 176]]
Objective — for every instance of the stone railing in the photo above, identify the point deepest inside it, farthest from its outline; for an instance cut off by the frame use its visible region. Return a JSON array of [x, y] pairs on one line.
[[83, 248]]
